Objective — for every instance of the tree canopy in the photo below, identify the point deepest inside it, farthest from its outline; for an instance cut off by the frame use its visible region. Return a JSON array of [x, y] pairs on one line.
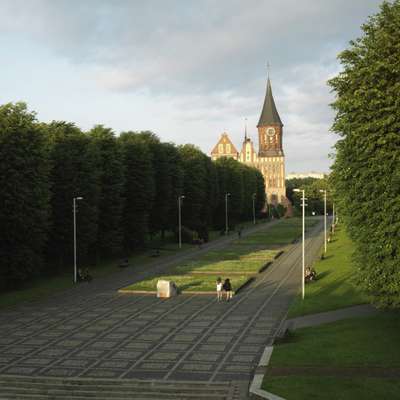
[[366, 171], [129, 183]]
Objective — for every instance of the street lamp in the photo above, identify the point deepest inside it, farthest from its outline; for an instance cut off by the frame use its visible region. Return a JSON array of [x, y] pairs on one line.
[[226, 213], [303, 205], [75, 199], [324, 192], [254, 208], [180, 198]]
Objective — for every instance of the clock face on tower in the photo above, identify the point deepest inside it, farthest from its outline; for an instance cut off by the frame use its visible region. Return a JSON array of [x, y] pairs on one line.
[[271, 132]]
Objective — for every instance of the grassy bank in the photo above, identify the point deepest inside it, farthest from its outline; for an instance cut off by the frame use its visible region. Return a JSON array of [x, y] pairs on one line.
[[239, 260], [335, 287], [47, 285], [366, 346], [345, 360]]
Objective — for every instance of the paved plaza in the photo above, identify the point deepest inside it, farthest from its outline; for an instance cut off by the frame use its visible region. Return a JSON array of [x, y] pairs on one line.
[[91, 331]]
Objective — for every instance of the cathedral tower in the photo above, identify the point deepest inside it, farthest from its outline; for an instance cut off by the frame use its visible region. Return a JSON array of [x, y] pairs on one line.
[[271, 159]]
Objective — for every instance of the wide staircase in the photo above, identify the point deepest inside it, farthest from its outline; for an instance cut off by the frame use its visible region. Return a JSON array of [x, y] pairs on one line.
[[16, 387]]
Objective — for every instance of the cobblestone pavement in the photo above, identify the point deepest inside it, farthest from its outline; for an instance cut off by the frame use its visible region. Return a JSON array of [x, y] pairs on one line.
[[99, 333]]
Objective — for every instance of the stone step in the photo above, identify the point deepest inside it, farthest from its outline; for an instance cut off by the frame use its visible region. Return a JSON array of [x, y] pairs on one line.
[[76, 389], [106, 381], [48, 389]]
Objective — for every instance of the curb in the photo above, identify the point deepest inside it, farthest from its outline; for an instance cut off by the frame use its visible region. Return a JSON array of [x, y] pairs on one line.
[[255, 386], [153, 292]]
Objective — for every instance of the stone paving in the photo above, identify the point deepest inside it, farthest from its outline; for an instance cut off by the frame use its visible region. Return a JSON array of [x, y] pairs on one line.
[[103, 334]]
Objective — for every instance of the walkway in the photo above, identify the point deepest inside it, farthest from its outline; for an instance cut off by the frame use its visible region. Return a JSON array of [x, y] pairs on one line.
[[93, 332], [362, 310]]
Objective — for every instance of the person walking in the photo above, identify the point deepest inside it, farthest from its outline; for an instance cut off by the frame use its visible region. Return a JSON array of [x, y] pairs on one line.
[[228, 289], [219, 289]]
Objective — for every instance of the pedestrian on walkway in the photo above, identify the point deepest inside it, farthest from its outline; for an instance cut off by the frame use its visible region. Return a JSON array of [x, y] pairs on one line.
[[219, 289], [228, 289]]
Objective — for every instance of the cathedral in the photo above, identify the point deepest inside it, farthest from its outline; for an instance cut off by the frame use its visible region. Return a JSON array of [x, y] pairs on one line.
[[269, 159]]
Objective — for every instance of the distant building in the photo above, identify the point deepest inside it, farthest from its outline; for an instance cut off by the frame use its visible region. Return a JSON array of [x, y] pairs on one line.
[[269, 159], [316, 175], [224, 148]]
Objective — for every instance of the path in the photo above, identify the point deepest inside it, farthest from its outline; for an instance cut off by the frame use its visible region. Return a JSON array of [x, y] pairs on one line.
[[362, 310], [99, 334]]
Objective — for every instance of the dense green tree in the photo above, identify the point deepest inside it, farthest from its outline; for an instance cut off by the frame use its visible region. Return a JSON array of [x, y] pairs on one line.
[[111, 184], [195, 186], [242, 182], [260, 192], [163, 188], [315, 199], [176, 174], [139, 189], [366, 171], [24, 194], [74, 174]]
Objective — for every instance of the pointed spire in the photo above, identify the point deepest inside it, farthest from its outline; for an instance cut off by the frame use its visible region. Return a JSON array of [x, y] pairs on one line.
[[269, 113], [245, 129]]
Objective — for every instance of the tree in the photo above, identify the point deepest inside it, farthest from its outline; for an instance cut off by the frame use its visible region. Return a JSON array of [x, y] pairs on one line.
[[366, 173], [24, 194], [110, 171], [315, 199], [196, 179], [74, 174], [139, 189]]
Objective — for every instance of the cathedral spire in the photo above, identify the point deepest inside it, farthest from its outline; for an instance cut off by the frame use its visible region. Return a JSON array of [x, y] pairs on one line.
[[269, 113], [245, 129]]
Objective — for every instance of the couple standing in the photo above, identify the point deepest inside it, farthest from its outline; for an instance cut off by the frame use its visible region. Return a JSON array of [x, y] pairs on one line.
[[226, 287]]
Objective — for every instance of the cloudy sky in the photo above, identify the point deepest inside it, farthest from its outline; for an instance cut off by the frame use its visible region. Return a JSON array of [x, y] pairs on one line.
[[187, 70]]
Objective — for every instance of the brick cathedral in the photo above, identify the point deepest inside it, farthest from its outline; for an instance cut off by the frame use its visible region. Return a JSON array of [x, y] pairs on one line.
[[269, 159]]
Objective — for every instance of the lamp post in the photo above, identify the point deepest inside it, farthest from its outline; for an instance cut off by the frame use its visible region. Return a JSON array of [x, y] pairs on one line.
[[303, 205], [180, 198], [75, 199], [226, 213], [254, 208], [324, 192]]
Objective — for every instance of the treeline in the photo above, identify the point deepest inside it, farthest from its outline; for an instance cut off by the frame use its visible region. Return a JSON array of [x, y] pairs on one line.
[[130, 185], [315, 199], [366, 171]]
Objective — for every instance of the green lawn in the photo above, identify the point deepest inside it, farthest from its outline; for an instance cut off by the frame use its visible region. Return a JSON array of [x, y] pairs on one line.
[[238, 261], [335, 287], [228, 261], [45, 286], [329, 388], [188, 283], [368, 341], [355, 343], [360, 342]]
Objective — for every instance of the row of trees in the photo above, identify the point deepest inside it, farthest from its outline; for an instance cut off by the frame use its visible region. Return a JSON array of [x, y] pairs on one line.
[[129, 184], [315, 199], [366, 171]]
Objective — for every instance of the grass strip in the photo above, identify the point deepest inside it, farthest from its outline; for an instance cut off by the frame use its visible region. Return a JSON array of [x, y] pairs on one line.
[[335, 287]]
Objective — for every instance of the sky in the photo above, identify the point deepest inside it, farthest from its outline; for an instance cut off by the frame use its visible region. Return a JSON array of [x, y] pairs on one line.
[[186, 70]]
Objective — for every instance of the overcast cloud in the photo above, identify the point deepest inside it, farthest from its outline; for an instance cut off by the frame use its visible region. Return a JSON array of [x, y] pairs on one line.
[[187, 70]]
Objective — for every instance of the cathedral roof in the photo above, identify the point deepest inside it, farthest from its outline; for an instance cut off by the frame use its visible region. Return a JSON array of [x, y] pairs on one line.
[[224, 139], [269, 113]]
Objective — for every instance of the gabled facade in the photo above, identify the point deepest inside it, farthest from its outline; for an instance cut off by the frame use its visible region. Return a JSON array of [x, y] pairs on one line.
[[224, 148], [248, 154], [270, 158]]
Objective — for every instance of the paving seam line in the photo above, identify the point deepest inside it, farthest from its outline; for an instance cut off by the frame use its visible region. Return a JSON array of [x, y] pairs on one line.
[[66, 335], [256, 384]]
